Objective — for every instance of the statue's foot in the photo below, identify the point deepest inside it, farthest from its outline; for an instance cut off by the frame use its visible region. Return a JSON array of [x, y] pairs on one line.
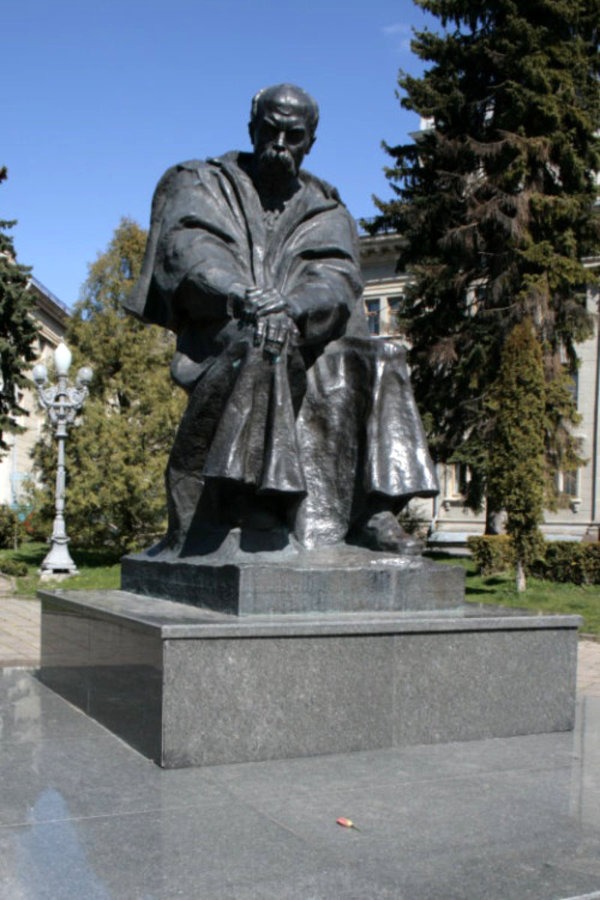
[[168, 547], [383, 532]]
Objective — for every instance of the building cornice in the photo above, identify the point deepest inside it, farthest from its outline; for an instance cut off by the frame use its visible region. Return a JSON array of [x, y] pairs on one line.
[[380, 245], [48, 303]]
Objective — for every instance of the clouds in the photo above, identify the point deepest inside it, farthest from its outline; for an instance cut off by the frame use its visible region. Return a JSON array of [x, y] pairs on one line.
[[399, 34]]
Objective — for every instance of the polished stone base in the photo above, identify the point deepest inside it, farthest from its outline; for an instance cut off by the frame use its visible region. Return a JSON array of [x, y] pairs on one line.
[[336, 579], [86, 818], [191, 687]]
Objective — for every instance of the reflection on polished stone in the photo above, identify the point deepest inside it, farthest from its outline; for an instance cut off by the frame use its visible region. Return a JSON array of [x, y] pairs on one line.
[[108, 670], [73, 637], [50, 859], [84, 816], [125, 699]]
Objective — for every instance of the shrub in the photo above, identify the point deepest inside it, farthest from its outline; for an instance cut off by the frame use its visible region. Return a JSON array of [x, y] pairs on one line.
[[592, 563], [570, 561], [36, 526], [492, 553], [9, 527], [562, 561], [13, 567]]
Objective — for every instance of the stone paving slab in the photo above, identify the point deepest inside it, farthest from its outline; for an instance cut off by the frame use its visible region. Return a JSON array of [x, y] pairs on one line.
[[19, 632], [588, 667], [84, 817], [20, 643]]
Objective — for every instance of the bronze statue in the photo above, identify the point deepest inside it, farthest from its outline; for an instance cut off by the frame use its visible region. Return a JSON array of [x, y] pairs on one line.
[[301, 430]]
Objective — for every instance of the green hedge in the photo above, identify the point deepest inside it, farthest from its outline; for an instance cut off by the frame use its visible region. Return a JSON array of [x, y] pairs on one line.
[[569, 561], [563, 561], [492, 553], [9, 527], [12, 567]]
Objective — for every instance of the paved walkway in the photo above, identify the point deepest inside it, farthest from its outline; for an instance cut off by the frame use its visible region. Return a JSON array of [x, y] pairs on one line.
[[588, 668], [20, 643], [19, 632]]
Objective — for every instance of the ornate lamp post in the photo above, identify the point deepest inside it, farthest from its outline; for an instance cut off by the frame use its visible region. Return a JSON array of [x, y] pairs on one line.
[[62, 402]]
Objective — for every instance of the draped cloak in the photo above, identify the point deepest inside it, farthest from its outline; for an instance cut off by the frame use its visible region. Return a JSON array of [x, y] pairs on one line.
[[329, 422]]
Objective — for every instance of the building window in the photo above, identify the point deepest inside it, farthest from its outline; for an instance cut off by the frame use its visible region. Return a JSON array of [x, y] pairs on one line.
[[567, 489], [373, 308], [567, 484], [457, 477], [394, 306]]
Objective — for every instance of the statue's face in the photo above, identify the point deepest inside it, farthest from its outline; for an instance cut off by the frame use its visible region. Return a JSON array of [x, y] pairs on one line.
[[281, 139]]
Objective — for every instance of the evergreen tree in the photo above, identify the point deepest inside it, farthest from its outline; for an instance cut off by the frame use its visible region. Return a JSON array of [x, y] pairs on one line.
[[495, 200], [117, 453], [516, 469], [18, 331]]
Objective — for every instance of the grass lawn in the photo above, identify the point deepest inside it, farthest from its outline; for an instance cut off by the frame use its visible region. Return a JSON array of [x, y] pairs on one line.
[[98, 569], [540, 596], [101, 571]]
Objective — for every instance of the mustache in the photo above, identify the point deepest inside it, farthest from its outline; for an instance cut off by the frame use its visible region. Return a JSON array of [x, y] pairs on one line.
[[281, 160]]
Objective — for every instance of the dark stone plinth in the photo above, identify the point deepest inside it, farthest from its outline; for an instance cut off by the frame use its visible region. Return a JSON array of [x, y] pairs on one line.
[[188, 686], [336, 579]]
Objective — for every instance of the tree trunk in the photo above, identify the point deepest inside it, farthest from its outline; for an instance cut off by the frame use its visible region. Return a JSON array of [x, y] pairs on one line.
[[521, 581], [493, 520]]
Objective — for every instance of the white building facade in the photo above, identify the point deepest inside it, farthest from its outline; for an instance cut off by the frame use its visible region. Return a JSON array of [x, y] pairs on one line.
[[16, 465]]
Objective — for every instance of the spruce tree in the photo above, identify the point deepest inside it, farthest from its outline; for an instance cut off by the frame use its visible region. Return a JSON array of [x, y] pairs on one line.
[[496, 202], [18, 331], [117, 453], [516, 466]]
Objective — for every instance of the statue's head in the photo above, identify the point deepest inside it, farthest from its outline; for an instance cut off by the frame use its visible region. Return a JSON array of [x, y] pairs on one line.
[[283, 122]]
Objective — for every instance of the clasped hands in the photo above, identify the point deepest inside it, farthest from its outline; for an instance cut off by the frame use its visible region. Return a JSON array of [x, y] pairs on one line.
[[268, 311]]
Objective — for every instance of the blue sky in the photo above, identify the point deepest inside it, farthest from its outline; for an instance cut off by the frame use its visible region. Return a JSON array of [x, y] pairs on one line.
[[99, 98]]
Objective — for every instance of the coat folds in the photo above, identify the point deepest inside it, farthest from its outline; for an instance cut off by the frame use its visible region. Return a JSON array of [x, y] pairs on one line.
[[310, 434]]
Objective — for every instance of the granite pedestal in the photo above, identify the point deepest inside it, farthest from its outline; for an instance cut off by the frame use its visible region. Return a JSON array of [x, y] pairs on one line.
[[335, 579], [189, 686]]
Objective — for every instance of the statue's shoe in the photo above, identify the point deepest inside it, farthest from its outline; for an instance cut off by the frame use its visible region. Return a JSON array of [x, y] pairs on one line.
[[383, 532]]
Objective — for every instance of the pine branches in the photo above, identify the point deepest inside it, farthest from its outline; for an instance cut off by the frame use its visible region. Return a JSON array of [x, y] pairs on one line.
[[496, 202], [18, 331]]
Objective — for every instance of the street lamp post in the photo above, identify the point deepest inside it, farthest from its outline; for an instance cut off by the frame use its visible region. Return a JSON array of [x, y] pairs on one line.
[[62, 403]]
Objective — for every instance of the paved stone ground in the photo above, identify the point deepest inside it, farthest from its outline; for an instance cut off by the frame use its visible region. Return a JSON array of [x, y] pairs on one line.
[[19, 632], [83, 816], [588, 668], [20, 643]]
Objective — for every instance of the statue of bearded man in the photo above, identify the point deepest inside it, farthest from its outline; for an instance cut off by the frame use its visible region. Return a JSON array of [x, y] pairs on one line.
[[301, 431]]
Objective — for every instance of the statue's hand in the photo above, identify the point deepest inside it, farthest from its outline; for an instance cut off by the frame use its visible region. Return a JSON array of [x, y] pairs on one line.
[[241, 302], [267, 311], [253, 303], [269, 302], [273, 333]]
